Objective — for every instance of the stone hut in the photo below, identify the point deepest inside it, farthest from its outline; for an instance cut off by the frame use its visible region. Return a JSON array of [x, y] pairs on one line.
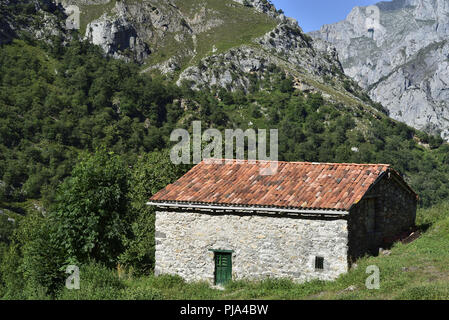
[[224, 220]]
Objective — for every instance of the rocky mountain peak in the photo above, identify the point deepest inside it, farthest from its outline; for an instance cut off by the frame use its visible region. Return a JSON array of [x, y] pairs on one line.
[[260, 5], [398, 51]]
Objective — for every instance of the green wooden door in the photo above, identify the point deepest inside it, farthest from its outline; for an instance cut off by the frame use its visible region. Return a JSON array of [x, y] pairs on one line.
[[223, 267]]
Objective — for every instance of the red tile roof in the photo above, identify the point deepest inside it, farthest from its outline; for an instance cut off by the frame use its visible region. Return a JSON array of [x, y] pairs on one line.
[[299, 185]]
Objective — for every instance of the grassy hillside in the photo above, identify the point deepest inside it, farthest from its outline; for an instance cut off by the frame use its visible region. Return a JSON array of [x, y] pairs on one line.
[[89, 13], [232, 25], [240, 25], [418, 270]]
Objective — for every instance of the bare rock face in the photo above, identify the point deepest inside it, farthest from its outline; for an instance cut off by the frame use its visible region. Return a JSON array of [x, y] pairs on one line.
[[118, 38], [130, 28], [41, 22], [398, 51], [122, 32], [260, 5], [285, 45], [227, 70]]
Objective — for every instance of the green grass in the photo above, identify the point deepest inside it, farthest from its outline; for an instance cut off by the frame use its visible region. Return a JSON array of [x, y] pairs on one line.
[[89, 13], [240, 25], [419, 270]]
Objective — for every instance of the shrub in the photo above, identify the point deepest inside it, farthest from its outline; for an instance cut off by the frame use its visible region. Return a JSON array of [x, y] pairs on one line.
[[6, 229], [427, 217], [152, 173], [3, 249], [41, 259], [90, 215], [11, 276]]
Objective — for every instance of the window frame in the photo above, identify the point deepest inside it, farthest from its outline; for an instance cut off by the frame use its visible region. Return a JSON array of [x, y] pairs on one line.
[[319, 263]]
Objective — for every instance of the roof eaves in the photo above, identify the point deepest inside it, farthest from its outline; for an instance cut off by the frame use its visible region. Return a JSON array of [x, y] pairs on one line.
[[253, 208]]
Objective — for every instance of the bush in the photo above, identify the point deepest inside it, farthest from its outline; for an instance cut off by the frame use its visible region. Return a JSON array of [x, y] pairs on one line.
[[6, 229], [11, 276], [98, 282], [29, 266], [3, 249], [41, 259], [152, 173], [91, 211], [427, 217]]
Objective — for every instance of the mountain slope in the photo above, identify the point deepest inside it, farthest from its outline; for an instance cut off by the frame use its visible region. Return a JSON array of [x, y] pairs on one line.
[[228, 44], [402, 60], [156, 31], [60, 98]]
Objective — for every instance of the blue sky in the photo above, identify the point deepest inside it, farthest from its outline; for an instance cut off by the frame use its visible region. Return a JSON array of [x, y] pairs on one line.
[[312, 14]]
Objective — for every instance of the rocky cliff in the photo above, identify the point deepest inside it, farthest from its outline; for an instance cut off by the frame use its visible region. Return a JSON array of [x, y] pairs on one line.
[[35, 17], [134, 29], [398, 51]]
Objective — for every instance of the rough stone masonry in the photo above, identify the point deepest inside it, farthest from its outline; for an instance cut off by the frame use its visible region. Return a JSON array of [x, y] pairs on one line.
[[263, 246]]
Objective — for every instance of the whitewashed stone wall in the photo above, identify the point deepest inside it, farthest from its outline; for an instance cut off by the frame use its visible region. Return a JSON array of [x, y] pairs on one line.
[[263, 246]]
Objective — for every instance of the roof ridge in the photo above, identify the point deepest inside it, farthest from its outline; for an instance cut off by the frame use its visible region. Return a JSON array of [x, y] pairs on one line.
[[300, 162]]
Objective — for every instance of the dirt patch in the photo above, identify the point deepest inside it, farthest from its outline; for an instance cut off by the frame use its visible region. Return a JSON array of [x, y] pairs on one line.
[[434, 274], [411, 237]]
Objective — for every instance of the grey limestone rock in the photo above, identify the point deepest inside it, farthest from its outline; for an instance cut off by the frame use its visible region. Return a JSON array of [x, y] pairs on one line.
[[398, 51]]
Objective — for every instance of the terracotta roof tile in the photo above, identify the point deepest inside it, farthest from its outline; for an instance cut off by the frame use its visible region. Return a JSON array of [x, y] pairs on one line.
[[295, 185]]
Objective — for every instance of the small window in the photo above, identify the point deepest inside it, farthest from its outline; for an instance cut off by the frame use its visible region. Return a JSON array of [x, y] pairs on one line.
[[319, 263]]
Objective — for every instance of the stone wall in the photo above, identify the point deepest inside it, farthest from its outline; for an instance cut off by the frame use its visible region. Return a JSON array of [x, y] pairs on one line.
[[263, 245], [386, 211]]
